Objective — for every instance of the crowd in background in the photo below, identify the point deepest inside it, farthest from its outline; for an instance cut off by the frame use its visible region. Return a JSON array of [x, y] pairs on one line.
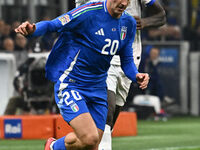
[[10, 41]]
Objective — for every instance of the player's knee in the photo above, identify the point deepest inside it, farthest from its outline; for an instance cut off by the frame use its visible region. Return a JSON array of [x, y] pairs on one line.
[[71, 138], [90, 140]]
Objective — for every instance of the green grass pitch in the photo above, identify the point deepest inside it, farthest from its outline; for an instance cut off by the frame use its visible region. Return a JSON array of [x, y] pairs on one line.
[[181, 133]]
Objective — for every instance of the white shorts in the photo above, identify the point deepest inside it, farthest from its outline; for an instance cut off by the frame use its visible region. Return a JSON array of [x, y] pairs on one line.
[[117, 80], [118, 83]]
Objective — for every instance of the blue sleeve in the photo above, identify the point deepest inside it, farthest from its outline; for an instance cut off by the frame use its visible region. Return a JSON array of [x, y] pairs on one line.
[[65, 22], [126, 57], [44, 27], [130, 70], [151, 3]]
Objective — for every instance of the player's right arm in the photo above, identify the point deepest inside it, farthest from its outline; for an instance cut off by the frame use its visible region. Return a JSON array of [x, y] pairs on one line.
[[37, 29], [127, 63], [65, 22], [43, 27]]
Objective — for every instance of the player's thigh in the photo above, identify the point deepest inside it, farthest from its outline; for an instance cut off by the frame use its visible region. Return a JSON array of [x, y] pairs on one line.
[[76, 113], [122, 88], [98, 109], [112, 80], [84, 126], [73, 108], [70, 103], [112, 84], [111, 101]]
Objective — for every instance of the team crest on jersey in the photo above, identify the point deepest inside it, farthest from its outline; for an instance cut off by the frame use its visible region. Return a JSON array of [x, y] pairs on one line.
[[64, 19], [74, 107], [123, 32]]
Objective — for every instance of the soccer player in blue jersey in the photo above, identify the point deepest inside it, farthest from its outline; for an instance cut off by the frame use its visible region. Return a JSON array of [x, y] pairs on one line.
[[90, 36], [117, 83]]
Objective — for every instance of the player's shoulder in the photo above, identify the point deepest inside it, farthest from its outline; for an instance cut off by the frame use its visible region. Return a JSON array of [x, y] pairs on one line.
[[128, 18], [148, 2]]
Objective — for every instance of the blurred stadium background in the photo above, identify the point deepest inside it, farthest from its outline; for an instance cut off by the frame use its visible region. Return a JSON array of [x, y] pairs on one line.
[[175, 128]]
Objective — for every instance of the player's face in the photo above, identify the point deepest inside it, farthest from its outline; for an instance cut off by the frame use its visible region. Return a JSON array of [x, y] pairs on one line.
[[117, 7]]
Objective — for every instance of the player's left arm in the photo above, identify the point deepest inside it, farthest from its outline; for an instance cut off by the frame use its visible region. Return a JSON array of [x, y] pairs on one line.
[[130, 70], [127, 63], [156, 18]]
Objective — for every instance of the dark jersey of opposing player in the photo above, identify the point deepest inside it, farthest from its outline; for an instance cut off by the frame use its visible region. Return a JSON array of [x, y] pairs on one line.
[[89, 37]]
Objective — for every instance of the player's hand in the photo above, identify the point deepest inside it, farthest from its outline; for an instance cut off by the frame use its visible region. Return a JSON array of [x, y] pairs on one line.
[[26, 28], [139, 23], [142, 80]]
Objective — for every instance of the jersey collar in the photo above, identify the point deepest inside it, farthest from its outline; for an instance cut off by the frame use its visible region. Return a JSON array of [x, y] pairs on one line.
[[105, 7]]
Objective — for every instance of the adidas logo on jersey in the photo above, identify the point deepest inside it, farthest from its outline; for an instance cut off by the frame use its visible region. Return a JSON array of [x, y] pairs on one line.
[[100, 32]]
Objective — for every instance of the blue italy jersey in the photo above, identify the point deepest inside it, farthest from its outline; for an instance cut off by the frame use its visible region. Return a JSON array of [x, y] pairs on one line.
[[89, 37]]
